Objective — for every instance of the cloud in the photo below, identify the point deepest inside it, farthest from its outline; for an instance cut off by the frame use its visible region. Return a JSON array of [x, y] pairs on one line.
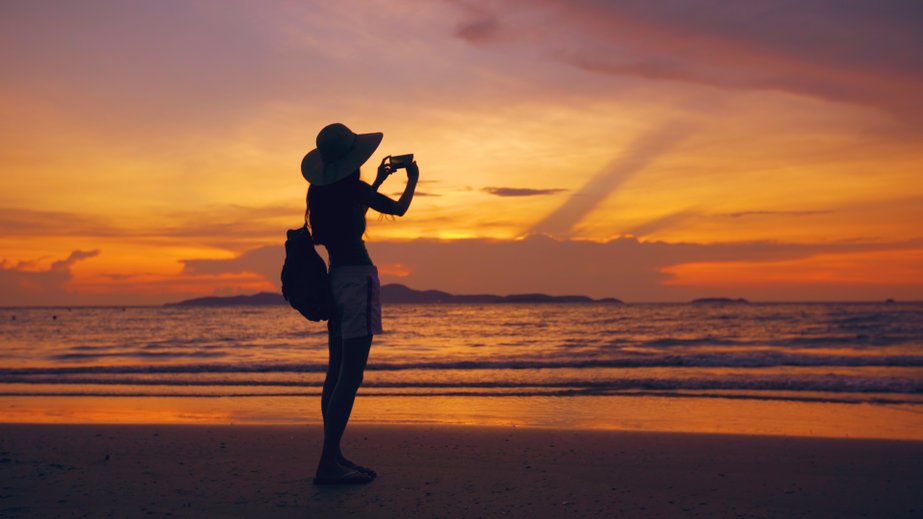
[[397, 194], [671, 220], [265, 261], [664, 222], [865, 53], [20, 285], [741, 214], [75, 256], [521, 191], [19, 221], [481, 29], [626, 267], [231, 225]]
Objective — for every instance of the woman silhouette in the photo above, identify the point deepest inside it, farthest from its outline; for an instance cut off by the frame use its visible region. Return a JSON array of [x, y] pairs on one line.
[[336, 205]]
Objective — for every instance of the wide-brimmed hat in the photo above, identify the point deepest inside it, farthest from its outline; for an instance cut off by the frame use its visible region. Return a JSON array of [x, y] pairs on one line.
[[339, 152]]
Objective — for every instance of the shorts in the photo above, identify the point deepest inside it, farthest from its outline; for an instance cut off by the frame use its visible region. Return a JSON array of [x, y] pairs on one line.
[[357, 297]]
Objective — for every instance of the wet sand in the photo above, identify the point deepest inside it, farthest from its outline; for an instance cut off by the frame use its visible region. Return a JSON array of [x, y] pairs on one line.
[[446, 471]]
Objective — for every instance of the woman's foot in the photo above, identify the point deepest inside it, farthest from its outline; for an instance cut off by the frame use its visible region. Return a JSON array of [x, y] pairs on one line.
[[355, 466], [338, 474]]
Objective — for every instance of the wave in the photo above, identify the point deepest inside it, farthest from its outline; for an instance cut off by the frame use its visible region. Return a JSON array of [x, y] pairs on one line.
[[817, 341], [843, 399], [818, 383], [138, 355], [715, 360], [695, 341]]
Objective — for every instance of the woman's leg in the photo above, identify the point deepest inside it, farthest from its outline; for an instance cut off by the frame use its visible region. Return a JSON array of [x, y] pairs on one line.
[[355, 354], [335, 353]]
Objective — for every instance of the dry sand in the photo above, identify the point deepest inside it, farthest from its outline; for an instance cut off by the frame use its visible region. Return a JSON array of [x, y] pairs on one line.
[[265, 471]]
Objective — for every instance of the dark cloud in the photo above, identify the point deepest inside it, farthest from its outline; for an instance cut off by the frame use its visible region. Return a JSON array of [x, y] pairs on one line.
[[624, 268], [20, 285], [415, 193], [867, 53], [521, 191], [741, 214], [480, 24], [478, 30]]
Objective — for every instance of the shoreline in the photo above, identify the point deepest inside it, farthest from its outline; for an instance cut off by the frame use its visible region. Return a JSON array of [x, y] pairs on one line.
[[208, 470], [604, 413], [169, 305]]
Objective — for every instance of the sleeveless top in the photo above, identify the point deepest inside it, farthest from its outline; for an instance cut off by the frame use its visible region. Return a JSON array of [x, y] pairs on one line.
[[337, 215]]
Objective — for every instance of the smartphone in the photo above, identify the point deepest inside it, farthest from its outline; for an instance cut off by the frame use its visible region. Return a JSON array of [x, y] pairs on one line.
[[400, 161]]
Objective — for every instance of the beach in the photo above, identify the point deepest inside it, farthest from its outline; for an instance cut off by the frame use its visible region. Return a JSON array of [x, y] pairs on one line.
[[163, 470], [635, 410]]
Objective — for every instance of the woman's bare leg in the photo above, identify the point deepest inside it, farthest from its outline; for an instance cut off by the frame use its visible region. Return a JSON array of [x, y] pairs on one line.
[[335, 353], [355, 354], [335, 349]]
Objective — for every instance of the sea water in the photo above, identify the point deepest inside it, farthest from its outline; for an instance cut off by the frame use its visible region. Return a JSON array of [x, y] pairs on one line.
[[819, 368]]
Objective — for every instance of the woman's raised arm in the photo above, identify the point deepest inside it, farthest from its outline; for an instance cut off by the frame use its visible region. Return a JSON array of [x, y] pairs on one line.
[[385, 205]]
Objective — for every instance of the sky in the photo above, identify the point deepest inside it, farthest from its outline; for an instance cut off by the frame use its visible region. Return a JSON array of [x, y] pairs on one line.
[[640, 149]]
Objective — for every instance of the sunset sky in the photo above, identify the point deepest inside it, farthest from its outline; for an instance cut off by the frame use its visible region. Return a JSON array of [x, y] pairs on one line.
[[645, 150]]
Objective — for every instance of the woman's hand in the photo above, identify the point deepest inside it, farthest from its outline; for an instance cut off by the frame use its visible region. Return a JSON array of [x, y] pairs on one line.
[[413, 171], [383, 171]]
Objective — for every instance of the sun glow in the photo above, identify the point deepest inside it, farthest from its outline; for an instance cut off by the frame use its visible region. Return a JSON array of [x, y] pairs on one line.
[[126, 144]]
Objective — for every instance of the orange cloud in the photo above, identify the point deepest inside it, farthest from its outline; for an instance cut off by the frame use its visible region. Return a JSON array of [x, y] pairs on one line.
[[901, 269], [24, 284], [625, 268], [397, 270]]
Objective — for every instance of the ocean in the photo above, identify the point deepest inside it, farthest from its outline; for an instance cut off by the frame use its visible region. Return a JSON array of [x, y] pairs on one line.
[[838, 368]]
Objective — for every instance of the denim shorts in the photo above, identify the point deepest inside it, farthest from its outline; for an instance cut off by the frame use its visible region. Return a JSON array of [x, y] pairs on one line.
[[357, 296]]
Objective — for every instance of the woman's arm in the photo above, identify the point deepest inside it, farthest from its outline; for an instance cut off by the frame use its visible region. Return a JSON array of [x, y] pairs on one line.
[[385, 205]]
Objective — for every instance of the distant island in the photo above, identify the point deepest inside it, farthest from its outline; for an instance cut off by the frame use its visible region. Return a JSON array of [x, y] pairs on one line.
[[719, 300], [397, 293], [260, 299]]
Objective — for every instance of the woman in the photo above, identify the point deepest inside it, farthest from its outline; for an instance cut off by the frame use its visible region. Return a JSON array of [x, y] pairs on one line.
[[337, 202]]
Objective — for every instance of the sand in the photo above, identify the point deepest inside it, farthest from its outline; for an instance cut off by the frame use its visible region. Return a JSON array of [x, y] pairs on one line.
[[445, 471]]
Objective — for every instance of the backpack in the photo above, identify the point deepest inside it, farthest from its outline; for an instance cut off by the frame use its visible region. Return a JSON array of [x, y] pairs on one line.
[[304, 277]]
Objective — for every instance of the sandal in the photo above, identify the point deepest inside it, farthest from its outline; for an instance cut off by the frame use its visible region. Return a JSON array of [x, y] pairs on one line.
[[353, 477]]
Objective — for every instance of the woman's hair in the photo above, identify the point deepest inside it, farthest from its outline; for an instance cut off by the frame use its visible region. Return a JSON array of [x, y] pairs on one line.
[[332, 211]]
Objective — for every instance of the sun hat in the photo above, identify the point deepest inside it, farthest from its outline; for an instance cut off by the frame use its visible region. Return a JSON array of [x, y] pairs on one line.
[[339, 152]]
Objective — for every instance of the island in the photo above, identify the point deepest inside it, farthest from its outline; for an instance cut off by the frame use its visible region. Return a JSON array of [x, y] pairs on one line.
[[397, 293], [720, 301], [259, 299]]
